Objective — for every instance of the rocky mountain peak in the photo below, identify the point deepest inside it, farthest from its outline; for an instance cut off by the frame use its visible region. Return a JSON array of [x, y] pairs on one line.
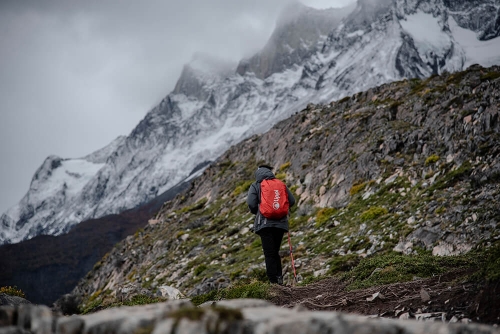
[[201, 72], [298, 31]]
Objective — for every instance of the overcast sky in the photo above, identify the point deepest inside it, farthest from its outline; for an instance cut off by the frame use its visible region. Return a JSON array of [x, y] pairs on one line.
[[74, 75]]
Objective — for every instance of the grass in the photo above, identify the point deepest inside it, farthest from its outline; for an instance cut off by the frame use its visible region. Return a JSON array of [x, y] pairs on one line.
[[359, 186], [98, 303], [489, 261], [395, 267], [243, 186], [373, 213], [285, 166], [324, 215], [201, 268], [196, 206], [379, 269], [432, 159], [490, 76], [12, 291], [254, 289], [451, 178]]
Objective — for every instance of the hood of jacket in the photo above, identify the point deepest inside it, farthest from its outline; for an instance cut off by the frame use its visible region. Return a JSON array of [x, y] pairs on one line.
[[263, 173]]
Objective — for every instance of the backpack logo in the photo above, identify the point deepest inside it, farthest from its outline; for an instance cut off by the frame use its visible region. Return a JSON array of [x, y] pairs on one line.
[[276, 203], [273, 199]]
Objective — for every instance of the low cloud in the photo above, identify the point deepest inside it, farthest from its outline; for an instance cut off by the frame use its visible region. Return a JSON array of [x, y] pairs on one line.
[[76, 74]]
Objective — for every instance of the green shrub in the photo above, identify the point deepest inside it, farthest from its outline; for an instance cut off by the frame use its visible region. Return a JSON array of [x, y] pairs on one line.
[[257, 290], [359, 186], [343, 263], [281, 176], [323, 215], [395, 267], [242, 187], [196, 206], [92, 306], [432, 159], [373, 213], [285, 166], [141, 300], [201, 268], [490, 263], [12, 291]]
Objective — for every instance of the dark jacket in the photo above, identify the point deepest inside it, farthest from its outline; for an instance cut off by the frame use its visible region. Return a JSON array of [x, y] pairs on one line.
[[253, 198]]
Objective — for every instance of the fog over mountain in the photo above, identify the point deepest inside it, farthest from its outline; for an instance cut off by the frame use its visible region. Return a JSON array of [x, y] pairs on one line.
[[75, 75]]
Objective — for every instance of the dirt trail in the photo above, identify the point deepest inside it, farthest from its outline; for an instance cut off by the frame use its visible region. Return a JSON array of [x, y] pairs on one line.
[[440, 298]]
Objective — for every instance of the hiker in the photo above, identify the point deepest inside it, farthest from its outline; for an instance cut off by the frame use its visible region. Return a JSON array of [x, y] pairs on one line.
[[271, 217]]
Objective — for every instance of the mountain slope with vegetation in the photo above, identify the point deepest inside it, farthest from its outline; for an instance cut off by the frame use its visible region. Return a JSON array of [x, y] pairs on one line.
[[407, 170]]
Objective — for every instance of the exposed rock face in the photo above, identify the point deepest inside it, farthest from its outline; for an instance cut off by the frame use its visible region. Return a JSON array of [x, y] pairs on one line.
[[299, 33], [406, 166], [236, 316], [209, 110]]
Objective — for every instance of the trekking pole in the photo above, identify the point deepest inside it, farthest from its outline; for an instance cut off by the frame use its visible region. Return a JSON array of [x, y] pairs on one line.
[[291, 255]]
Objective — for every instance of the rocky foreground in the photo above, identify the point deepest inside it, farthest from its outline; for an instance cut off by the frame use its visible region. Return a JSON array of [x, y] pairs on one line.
[[230, 316]]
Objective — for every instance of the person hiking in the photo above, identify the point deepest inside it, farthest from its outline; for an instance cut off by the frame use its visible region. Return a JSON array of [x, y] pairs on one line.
[[269, 200]]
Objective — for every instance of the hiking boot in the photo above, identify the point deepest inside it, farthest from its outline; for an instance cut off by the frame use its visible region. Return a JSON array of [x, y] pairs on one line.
[[280, 280]]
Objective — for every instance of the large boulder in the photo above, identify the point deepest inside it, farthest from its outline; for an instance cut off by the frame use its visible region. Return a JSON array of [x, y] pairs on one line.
[[6, 299]]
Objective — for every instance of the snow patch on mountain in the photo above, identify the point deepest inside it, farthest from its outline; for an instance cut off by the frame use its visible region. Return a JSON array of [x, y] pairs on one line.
[[56, 184], [486, 53], [428, 35]]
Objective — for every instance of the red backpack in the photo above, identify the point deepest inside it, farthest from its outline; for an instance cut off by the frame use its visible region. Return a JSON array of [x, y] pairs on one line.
[[273, 199]]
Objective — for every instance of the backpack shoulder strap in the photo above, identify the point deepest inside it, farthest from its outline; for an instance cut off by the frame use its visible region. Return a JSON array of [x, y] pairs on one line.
[[257, 184]]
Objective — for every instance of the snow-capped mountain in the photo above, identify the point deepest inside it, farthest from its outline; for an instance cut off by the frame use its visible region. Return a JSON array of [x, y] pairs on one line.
[[313, 56]]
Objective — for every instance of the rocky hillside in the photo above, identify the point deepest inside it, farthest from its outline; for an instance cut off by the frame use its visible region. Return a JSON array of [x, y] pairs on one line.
[[411, 166], [313, 56]]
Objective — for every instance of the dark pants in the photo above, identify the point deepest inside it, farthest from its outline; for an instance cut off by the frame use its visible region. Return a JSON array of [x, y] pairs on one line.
[[271, 241]]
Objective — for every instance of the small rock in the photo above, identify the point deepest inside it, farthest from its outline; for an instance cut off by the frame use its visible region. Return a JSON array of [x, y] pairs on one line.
[[169, 292], [424, 295], [391, 178], [405, 316], [320, 272], [322, 190], [375, 296], [433, 178]]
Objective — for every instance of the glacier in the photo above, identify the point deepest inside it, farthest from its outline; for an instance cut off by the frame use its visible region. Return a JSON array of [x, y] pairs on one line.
[[313, 56]]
